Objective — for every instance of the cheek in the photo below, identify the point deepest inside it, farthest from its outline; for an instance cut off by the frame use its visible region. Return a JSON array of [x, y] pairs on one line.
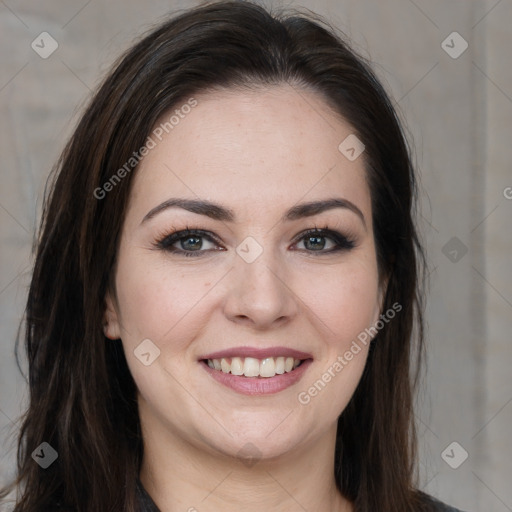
[[345, 300], [160, 304], [343, 305]]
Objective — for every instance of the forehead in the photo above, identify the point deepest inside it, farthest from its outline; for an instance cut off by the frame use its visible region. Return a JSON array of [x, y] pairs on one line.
[[273, 146]]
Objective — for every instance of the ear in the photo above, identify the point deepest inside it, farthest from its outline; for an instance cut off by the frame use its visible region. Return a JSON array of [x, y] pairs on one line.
[[111, 325]]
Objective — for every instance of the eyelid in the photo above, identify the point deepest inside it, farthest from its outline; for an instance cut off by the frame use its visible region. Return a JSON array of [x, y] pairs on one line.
[[165, 242], [177, 234], [342, 241]]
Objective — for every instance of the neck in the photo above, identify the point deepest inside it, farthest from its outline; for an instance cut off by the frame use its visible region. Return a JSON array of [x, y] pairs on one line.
[[180, 476]]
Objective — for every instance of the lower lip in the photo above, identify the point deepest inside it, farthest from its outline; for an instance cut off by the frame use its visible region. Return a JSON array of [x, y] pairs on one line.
[[259, 385]]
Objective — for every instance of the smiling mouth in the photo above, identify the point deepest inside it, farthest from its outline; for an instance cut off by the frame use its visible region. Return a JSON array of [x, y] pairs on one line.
[[252, 367]]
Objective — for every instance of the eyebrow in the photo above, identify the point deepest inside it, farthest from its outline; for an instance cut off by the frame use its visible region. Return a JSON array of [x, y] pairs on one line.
[[218, 212]]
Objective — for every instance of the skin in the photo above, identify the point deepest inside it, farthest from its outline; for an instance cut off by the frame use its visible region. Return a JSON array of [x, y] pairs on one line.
[[258, 153]]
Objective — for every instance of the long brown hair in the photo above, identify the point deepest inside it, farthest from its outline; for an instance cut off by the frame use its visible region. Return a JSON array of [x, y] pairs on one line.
[[82, 395]]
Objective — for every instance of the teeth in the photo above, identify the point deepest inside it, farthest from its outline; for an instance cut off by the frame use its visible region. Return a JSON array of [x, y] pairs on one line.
[[251, 367], [268, 367], [237, 366], [225, 366]]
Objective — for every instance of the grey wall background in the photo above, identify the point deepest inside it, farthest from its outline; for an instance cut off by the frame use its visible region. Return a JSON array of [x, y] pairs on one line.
[[459, 113]]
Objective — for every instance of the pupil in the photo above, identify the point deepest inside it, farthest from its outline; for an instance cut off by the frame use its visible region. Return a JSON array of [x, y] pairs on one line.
[[196, 243], [312, 240]]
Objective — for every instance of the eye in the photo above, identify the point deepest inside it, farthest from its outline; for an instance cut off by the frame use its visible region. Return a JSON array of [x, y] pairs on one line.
[[324, 241], [189, 242], [197, 242]]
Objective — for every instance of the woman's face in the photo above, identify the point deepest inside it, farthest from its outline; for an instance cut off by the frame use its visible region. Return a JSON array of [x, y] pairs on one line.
[[253, 287]]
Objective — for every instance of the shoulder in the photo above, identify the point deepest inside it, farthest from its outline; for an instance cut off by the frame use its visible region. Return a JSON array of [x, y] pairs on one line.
[[438, 506], [146, 504], [442, 507]]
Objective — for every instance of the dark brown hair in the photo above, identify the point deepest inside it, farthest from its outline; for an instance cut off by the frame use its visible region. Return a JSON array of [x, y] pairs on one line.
[[82, 396]]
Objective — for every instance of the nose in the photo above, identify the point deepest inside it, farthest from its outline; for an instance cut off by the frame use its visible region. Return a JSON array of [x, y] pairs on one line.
[[260, 294]]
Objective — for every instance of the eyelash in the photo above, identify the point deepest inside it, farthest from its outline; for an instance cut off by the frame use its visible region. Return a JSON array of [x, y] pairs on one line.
[[167, 241]]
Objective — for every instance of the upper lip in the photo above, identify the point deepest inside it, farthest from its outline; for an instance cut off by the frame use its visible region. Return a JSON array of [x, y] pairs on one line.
[[258, 353]]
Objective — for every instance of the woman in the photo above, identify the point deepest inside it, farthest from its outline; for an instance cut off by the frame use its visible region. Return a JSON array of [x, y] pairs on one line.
[[227, 281]]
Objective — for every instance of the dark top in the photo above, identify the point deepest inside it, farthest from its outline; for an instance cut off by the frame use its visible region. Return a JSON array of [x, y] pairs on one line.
[[148, 505]]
